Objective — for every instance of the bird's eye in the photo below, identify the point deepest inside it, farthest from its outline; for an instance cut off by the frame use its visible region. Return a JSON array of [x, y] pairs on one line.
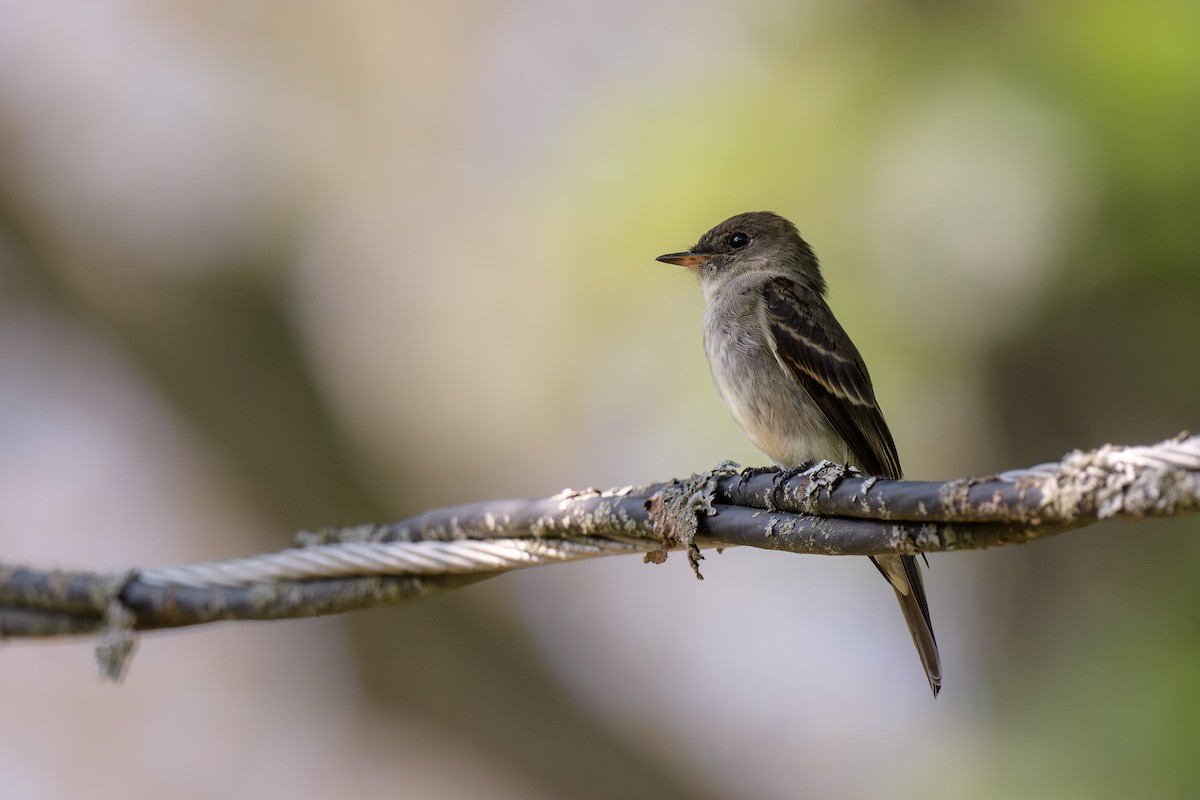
[[738, 240]]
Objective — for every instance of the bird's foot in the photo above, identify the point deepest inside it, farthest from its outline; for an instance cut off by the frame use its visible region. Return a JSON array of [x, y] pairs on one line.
[[778, 495], [753, 472]]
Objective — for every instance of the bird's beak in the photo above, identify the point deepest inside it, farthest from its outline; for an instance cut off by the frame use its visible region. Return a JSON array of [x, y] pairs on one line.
[[685, 259]]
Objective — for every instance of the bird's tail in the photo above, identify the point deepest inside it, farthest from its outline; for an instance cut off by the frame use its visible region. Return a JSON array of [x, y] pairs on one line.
[[904, 574]]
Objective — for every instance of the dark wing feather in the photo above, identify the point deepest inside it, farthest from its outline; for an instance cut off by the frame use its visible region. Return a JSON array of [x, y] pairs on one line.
[[812, 346]]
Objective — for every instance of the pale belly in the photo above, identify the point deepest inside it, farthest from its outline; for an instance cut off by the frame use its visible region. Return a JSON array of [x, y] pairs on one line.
[[769, 405]]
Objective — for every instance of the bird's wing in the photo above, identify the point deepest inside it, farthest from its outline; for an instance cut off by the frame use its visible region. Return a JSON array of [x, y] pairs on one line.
[[810, 345]]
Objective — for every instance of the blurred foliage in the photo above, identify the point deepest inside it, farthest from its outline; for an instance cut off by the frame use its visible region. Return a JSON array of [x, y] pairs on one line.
[[440, 288]]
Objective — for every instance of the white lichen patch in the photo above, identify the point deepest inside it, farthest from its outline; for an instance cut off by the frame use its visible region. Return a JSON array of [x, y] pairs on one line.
[[1161, 480], [675, 511]]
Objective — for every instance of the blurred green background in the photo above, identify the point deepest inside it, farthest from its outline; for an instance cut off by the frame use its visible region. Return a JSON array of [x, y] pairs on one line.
[[273, 266]]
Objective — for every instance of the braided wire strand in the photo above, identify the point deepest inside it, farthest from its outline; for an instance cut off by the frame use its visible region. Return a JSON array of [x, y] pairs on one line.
[[827, 509], [1182, 452], [384, 558]]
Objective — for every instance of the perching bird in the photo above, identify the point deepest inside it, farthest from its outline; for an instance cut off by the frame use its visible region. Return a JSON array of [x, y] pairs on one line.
[[790, 375]]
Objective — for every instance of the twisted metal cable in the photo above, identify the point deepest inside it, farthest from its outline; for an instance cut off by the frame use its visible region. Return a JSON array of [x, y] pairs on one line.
[[827, 509], [384, 558], [1182, 452]]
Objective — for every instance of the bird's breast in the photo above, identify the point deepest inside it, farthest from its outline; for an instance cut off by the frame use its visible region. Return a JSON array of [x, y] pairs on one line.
[[767, 402]]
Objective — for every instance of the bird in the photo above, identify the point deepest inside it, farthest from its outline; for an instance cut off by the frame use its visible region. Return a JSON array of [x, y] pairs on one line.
[[791, 377]]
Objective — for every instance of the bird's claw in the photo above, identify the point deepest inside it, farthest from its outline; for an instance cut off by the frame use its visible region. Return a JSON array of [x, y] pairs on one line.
[[753, 472], [783, 477]]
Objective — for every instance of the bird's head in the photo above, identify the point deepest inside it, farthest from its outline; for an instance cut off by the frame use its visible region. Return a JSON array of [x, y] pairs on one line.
[[754, 241]]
